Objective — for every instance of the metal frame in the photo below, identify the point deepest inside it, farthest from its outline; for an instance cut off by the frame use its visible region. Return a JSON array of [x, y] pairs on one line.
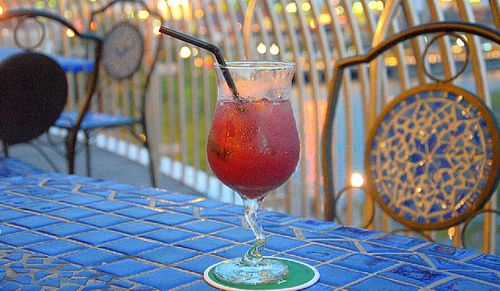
[[335, 84], [71, 137], [140, 136]]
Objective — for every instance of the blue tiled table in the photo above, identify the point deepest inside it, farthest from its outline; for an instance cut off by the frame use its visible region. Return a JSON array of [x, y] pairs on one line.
[[67, 232]]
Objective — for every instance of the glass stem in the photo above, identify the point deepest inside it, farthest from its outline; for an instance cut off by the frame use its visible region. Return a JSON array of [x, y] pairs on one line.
[[254, 254]]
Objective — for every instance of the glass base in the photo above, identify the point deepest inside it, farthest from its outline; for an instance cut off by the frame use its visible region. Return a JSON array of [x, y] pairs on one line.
[[267, 271]]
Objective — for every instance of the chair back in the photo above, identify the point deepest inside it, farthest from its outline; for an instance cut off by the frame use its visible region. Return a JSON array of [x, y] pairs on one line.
[[131, 50], [432, 151], [34, 43]]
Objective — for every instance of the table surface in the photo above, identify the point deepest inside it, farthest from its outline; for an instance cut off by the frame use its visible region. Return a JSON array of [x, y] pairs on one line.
[[68, 231]]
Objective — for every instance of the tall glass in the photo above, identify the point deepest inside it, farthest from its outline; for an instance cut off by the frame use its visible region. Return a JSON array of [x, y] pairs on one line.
[[253, 147]]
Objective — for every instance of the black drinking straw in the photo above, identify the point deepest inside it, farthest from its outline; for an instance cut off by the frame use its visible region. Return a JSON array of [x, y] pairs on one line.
[[208, 46]]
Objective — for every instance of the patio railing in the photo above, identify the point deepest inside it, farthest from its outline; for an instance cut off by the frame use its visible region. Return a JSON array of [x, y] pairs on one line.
[[313, 34]]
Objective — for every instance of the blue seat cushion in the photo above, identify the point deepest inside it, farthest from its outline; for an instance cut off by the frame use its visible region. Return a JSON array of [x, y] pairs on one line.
[[93, 120]]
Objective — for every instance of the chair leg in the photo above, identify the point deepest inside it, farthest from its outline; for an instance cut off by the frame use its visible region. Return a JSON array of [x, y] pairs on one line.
[[87, 152], [70, 151], [5, 150], [151, 163]]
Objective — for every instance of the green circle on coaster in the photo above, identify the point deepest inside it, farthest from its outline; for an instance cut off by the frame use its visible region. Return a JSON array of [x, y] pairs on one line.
[[300, 276]]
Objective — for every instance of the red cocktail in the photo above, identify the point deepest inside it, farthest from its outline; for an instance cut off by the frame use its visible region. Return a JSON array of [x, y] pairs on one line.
[[253, 147]]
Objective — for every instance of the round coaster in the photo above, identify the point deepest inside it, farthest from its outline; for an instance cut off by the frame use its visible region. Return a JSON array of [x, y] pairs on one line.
[[300, 276]]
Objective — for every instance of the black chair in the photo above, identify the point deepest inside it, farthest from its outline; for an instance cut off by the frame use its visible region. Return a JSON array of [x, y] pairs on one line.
[[33, 83], [432, 154], [130, 53]]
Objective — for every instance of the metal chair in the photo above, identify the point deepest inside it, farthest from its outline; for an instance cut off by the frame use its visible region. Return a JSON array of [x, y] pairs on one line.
[[33, 84], [130, 54], [432, 154]]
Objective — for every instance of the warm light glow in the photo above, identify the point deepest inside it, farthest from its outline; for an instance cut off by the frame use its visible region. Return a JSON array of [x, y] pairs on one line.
[[376, 5], [456, 49], [40, 4], [357, 8], [312, 24], [451, 232], [156, 29], [325, 18], [93, 25], [460, 42], [198, 13], [185, 52], [1, 10], [306, 6], [194, 51], [474, 1], [143, 14], [274, 49], [173, 3], [340, 10], [67, 14], [291, 7], [161, 5], [70, 33], [357, 180], [261, 48], [198, 62], [391, 61]]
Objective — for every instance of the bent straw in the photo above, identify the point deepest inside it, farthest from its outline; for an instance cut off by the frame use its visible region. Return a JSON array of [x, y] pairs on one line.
[[208, 46]]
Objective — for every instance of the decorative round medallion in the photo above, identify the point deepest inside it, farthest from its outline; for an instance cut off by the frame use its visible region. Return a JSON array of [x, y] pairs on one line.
[[432, 156], [29, 33], [122, 50], [33, 92]]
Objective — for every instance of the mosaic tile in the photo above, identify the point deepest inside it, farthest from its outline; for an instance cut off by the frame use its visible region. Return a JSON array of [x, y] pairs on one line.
[[22, 238], [236, 234], [488, 261], [170, 218], [157, 278], [45, 207], [204, 244], [167, 255], [126, 267], [90, 257], [98, 237], [317, 252], [135, 228], [130, 246], [56, 247], [66, 229], [413, 274], [446, 251], [198, 286], [352, 232], [103, 220], [5, 229], [337, 276], [464, 284], [280, 244], [377, 283], [74, 213], [7, 215], [32, 222], [364, 263], [108, 206], [314, 224], [137, 212], [199, 264], [205, 227], [169, 235]]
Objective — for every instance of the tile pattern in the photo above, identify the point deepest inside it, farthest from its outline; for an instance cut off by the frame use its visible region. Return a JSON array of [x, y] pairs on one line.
[[99, 234]]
